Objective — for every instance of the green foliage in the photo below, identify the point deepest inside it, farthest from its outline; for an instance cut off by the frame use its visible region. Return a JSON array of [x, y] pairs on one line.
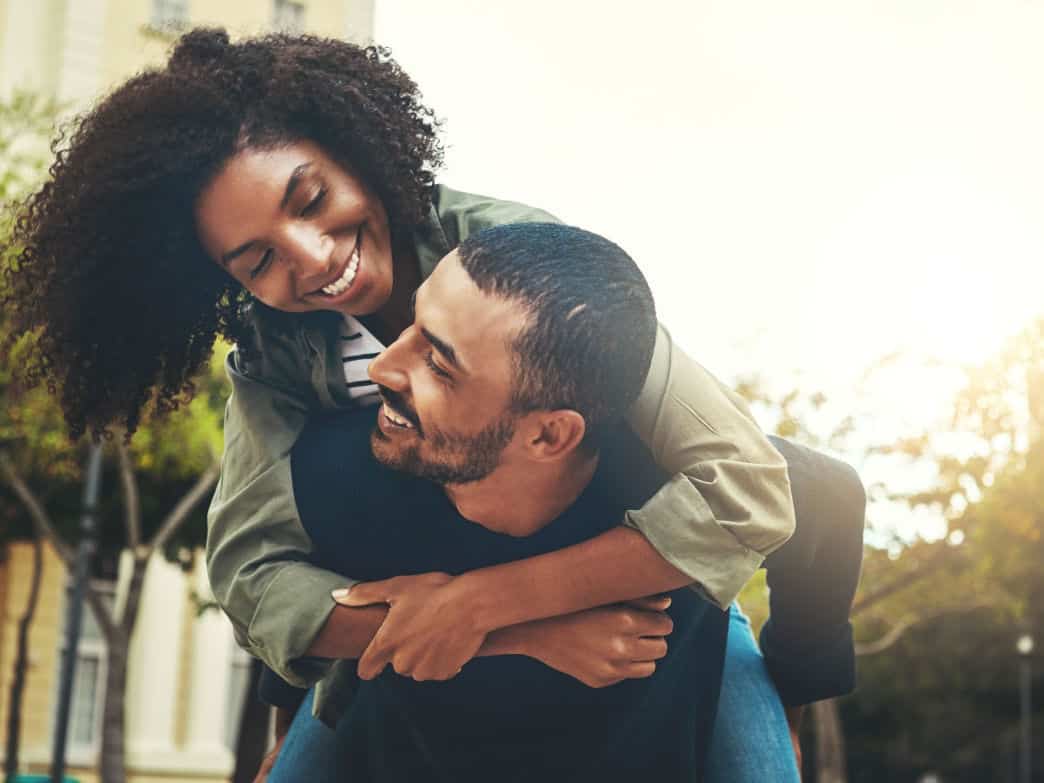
[[26, 124], [943, 697], [168, 453]]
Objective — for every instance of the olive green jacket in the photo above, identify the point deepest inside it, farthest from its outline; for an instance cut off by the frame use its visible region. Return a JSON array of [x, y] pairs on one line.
[[727, 506]]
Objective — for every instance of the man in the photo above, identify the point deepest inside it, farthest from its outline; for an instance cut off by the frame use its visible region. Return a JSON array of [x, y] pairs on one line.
[[502, 392], [501, 399]]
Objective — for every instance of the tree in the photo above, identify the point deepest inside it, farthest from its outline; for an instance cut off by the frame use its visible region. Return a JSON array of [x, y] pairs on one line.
[[952, 596], [163, 476]]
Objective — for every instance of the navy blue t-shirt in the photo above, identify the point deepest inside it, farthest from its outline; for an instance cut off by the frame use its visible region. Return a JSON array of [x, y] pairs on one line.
[[502, 717]]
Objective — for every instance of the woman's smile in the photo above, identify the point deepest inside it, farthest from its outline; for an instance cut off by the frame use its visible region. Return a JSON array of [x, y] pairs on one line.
[[305, 232]]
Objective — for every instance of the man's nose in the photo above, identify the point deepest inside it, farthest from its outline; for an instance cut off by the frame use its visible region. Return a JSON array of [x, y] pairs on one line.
[[389, 368]]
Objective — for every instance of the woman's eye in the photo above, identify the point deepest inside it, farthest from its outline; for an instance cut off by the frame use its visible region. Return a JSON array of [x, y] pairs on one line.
[[429, 358], [313, 206], [262, 265]]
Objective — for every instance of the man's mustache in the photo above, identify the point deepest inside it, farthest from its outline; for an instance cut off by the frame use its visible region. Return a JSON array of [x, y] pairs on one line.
[[395, 401]]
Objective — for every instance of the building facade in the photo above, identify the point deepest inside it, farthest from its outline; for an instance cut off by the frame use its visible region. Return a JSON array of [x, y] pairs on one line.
[[187, 678]]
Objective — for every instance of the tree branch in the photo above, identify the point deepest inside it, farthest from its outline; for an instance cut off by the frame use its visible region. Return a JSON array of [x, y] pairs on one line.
[[131, 499], [41, 521], [199, 490], [896, 632], [102, 613], [941, 558]]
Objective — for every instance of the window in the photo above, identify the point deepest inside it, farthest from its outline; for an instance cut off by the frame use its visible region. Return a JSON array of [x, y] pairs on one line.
[[288, 16], [169, 14], [88, 692]]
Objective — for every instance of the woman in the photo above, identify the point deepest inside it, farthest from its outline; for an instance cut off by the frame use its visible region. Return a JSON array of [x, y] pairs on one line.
[[280, 192]]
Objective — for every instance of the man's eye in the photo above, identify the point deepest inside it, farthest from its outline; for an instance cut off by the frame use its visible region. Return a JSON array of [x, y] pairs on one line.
[[429, 358], [262, 265], [313, 206]]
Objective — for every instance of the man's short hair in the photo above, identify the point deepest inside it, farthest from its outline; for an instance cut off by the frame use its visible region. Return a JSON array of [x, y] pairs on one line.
[[592, 324]]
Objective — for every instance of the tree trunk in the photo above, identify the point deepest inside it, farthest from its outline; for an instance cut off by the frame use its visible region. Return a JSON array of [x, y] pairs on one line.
[[252, 741], [111, 761], [830, 743], [14, 717]]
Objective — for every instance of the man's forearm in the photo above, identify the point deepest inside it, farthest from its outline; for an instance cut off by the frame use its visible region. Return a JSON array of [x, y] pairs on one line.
[[619, 565]]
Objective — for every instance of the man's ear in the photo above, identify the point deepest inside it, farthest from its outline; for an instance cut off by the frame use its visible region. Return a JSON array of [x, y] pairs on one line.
[[552, 435]]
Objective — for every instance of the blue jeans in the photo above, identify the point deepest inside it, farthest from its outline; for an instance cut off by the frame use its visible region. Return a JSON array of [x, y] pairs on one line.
[[750, 742], [751, 739]]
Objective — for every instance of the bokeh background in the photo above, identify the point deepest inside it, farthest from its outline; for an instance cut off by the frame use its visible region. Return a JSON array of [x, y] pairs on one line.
[[839, 208]]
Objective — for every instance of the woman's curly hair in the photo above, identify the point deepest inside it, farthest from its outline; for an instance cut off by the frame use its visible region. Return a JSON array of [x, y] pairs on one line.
[[108, 271]]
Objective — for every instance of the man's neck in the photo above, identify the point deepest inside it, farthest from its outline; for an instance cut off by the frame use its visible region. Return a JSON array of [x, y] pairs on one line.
[[519, 500]]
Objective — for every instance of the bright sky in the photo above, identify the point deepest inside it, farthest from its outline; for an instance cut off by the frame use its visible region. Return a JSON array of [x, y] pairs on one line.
[[809, 185]]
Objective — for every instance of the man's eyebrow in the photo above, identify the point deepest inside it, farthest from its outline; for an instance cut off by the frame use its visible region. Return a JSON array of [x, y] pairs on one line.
[[291, 185], [442, 347], [293, 182]]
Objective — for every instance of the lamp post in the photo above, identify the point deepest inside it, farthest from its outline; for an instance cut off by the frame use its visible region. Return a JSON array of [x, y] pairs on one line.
[[1024, 647]]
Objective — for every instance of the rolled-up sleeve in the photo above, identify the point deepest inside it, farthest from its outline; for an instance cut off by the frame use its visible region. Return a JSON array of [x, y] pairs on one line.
[[257, 548], [728, 504]]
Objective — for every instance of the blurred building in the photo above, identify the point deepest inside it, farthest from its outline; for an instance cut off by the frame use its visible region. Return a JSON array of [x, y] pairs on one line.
[[187, 678], [76, 49]]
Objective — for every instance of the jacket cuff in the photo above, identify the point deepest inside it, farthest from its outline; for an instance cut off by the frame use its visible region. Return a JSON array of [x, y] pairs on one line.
[[292, 610], [681, 526]]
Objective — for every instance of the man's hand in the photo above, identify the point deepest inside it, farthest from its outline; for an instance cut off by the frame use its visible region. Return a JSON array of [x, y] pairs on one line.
[[604, 646], [429, 633]]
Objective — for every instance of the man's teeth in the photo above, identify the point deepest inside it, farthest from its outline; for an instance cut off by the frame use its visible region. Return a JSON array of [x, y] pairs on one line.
[[395, 418], [341, 284]]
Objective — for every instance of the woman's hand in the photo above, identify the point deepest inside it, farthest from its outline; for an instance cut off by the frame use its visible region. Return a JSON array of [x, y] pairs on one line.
[[603, 646]]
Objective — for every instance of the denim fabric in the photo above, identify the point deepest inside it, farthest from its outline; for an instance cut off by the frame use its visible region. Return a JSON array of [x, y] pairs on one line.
[[751, 740], [312, 752]]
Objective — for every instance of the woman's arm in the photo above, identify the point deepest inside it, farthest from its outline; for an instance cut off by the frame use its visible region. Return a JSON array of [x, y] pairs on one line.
[[728, 503], [257, 549], [807, 640]]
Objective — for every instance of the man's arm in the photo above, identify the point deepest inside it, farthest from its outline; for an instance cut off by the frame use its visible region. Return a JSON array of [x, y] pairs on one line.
[[599, 647], [443, 621]]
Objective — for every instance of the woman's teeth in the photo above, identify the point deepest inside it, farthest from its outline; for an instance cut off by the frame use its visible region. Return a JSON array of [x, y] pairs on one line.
[[344, 282]]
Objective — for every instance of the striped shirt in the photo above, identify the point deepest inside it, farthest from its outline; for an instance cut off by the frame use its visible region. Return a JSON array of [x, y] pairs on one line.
[[358, 348]]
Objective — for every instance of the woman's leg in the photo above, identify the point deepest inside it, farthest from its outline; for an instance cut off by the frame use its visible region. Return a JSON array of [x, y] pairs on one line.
[[751, 740], [311, 753]]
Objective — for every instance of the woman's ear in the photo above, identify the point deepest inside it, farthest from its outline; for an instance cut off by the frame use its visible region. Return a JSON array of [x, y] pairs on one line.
[[555, 434]]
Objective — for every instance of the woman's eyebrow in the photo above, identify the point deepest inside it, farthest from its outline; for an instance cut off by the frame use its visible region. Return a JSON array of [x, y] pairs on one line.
[[291, 184], [232, 255]]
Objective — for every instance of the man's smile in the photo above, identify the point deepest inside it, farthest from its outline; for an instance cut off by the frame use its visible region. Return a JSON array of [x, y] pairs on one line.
[[396, 413]]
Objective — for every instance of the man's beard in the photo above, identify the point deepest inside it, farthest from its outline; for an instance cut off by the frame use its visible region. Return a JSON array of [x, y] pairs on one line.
[[458, 459]]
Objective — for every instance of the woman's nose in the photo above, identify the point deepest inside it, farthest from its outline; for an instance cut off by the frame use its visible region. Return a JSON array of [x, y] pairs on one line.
[[311, 253]]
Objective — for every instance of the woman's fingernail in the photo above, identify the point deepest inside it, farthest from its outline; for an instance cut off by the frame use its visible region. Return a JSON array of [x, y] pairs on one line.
[[340, 593]]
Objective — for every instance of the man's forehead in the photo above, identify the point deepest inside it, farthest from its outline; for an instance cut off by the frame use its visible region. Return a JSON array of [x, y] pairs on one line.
[[472, 320]]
